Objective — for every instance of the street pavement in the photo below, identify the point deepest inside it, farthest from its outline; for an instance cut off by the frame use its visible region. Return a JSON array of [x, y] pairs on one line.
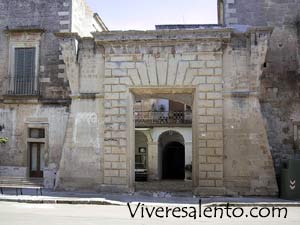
[[12, 213], [29, 196]]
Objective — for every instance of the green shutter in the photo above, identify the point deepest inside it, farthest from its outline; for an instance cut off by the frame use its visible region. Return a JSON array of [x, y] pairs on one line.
[[24, 70], [24, 62]]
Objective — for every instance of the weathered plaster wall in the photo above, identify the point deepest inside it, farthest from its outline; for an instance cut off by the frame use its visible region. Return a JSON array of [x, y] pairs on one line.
[[15, 153], [280, 82], [248, 165], [82, 163], [16, 112], [248, 162], [83, 144]]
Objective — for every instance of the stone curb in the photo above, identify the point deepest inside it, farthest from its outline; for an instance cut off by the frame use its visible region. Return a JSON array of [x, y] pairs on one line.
[[119, 203], [255, 204], [62, 201]]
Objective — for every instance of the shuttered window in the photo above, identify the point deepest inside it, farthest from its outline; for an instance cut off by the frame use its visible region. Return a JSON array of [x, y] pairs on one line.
[[24, 63], [23, 80]]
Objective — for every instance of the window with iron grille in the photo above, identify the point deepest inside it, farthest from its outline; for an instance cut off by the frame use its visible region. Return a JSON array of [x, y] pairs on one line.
[[23, 80]]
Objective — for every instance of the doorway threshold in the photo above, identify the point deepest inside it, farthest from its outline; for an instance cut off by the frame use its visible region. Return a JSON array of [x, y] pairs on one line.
[[165, 187]]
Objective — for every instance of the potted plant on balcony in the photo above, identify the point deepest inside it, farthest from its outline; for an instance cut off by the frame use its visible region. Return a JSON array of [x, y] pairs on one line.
[[163, 114], [154, 114], [188, 171], [162, 108]]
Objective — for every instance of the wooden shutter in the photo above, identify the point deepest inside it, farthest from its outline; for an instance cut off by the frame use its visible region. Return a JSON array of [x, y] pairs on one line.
[[24, 70]]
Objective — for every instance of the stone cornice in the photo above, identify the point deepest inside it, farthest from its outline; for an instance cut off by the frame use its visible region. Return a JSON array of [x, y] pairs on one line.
[[87, 96], [67, 35], [163, 35], [260, 29], [25, 29], [223, 34]]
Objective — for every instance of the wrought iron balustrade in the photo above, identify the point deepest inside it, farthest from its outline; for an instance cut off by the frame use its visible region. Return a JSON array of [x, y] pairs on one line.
[[153, 118], [23, 86]]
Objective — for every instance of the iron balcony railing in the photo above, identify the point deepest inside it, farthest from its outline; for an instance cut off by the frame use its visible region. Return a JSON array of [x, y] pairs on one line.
[[152, 118], [24, 86]]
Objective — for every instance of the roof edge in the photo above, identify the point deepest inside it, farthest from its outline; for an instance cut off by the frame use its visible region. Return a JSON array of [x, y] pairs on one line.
[[100, 22]]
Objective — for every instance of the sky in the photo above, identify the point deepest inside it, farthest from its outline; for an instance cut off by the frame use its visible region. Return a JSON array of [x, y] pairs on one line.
[[145, 14]]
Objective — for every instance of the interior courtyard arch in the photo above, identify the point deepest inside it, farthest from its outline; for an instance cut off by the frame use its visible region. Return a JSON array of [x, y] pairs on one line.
[[171, 155]]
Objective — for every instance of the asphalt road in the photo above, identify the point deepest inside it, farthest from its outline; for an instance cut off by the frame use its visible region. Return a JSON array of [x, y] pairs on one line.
[[51, 214]]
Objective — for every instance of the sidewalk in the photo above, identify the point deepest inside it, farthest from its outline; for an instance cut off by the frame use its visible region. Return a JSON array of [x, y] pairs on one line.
[[51, 197]]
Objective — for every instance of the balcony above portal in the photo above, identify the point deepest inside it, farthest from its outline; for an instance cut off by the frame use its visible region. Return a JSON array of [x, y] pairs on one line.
[[149, 113], [149, 119]]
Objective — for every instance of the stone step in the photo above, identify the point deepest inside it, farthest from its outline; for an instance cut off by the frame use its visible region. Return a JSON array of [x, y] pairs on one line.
[[164, 186]]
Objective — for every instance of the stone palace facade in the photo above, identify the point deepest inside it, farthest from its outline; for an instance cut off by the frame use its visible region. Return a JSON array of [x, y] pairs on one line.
[[85, 108]]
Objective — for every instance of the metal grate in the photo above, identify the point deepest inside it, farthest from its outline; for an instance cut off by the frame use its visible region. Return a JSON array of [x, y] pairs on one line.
[[161, 118]]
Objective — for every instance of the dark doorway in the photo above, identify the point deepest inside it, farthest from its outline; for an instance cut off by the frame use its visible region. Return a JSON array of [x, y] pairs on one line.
[[36, 159], [173, 161]]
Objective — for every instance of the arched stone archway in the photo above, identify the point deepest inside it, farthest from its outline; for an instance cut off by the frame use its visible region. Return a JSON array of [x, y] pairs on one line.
[[171, 155]]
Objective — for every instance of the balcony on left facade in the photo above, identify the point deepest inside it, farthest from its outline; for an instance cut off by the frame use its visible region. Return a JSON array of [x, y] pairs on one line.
[[23, 86]]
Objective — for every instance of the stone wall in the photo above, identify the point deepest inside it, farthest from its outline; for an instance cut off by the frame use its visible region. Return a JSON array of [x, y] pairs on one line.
[[280, 81], [167, 66]]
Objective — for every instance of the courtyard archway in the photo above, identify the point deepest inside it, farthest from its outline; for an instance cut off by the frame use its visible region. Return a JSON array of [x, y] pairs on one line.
[[171, 155], [173, 161]]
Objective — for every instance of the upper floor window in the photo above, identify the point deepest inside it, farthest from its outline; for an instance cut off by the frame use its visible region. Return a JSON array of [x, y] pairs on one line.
[[24, 70], [23, 63]]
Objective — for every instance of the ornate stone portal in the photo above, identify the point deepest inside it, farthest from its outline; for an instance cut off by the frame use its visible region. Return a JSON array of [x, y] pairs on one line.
[[217, 70]]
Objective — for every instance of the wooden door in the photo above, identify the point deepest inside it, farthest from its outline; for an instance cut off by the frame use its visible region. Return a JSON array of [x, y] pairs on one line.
[[36, 152]]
